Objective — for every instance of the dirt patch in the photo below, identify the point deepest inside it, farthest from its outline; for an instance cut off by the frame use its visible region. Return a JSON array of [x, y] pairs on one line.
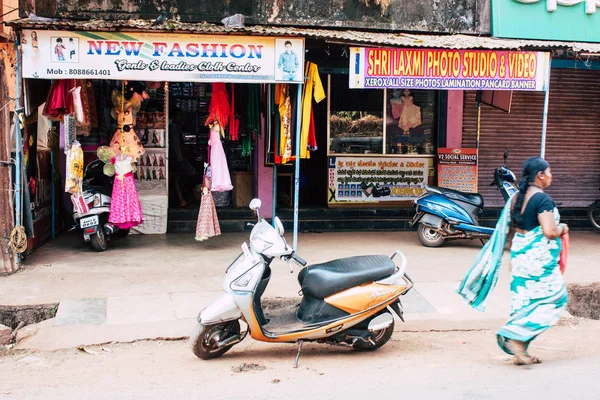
[[248, 367], [279, 302], [12, 316], [584, 300]]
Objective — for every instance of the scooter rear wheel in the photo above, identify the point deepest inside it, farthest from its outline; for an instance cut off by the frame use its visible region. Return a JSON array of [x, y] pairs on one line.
[[204, 339], [98, 240], [381, 338], [429, 237]]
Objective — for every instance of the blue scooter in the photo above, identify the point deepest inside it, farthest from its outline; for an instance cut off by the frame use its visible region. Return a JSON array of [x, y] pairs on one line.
[[444, 214]]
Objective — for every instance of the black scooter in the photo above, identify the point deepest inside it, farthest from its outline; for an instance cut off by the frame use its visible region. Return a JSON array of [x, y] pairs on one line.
[[97, 190]]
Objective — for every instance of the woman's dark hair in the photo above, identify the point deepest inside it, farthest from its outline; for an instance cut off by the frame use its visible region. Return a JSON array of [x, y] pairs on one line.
[[133, 87], [531, 167]]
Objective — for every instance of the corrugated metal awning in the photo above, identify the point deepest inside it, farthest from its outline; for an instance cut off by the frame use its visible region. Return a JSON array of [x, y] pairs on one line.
[[355, 37]]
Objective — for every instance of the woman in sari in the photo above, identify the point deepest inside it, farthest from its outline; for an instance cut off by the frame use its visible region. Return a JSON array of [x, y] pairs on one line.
[[538, 291]]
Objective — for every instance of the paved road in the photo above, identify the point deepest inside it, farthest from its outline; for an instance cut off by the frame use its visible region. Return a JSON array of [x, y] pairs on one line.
[[154, 286], [423, 365]]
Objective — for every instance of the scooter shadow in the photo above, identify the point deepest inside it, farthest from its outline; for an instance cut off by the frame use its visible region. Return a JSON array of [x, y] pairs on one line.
[[260, 351], [461, 243]]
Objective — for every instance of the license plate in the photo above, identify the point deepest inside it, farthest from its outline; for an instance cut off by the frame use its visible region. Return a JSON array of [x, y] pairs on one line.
[[90, 221]]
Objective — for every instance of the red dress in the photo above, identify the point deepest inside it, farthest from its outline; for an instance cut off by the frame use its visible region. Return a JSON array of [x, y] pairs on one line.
[[218, 109], [59, 101]]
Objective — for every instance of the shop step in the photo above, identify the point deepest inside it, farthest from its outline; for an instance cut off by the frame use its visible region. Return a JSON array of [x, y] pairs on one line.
[[323, 219]]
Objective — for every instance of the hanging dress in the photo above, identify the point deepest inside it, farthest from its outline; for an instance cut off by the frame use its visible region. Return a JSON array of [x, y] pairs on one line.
[[282, 99], [125, 207], [208, 222], [221, 181], [312, 88], [218, 109], [59, 102]]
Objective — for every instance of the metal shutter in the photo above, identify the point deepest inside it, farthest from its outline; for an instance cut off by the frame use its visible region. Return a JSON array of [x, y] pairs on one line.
[[572, 143]]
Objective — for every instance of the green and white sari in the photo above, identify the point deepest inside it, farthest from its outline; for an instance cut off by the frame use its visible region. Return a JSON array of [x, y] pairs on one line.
[[538, 290]]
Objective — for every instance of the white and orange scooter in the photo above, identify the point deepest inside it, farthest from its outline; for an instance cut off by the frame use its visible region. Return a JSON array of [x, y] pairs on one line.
[[348, 301]]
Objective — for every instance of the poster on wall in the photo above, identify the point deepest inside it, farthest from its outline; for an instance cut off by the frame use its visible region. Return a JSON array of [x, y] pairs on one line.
[[376, 179], [161, 57], [457, 169], [438, 69]]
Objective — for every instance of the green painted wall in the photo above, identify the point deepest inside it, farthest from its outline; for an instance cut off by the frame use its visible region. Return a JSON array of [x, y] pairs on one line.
[[512, 19]]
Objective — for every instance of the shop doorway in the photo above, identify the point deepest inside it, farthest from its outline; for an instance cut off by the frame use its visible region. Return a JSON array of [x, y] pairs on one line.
[[189, 137]]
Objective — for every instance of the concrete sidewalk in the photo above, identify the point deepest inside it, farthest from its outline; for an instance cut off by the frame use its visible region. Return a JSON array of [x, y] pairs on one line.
[[147, 287]]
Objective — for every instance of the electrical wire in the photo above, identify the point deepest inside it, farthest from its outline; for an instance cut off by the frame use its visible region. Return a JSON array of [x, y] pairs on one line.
[[18, 239], [8, 12]]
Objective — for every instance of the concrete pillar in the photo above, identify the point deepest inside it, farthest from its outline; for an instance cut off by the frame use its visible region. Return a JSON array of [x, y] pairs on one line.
[[454, 119], [264, 190]]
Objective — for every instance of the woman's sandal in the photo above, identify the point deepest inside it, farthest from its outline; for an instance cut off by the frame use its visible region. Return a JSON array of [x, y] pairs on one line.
[[521, 357], [528, 360], [535, 360]]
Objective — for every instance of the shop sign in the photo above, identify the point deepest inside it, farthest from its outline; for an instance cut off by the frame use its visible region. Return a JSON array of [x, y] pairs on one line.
[[457, 169], [376, 179], [448, 69], [572, 20], [161, 57]]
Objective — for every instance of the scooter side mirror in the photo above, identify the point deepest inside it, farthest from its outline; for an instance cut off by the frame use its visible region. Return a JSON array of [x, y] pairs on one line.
[[505, 155], [255, 205]]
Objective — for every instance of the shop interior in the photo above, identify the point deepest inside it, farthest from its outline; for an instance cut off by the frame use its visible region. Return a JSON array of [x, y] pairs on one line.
[[169, 120]]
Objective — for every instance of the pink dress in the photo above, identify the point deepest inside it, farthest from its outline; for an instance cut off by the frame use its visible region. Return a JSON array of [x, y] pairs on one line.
[[221, 181], [125, 207]]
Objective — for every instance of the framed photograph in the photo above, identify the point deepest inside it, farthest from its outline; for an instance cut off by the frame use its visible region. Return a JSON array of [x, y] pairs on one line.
[[289, 56]]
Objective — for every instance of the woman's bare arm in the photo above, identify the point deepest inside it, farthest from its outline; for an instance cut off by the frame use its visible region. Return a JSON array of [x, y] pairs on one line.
[[549, 227]]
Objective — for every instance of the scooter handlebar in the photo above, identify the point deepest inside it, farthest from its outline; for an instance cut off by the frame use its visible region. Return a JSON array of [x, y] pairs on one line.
[[298, 259]]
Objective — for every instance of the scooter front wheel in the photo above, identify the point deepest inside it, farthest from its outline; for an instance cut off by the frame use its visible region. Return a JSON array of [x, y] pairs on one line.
[[205, 339], [429, 237], [594, 214]]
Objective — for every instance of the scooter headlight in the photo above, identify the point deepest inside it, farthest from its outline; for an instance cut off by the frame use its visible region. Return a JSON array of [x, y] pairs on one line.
[[279, 226]]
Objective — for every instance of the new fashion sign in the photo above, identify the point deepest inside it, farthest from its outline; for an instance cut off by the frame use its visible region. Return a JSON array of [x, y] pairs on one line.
[[573, 20], [161, 57], [448, 69]]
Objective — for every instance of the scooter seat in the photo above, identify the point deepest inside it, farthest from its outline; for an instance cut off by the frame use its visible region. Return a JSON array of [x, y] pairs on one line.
[[472, 198], [322, 280]]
